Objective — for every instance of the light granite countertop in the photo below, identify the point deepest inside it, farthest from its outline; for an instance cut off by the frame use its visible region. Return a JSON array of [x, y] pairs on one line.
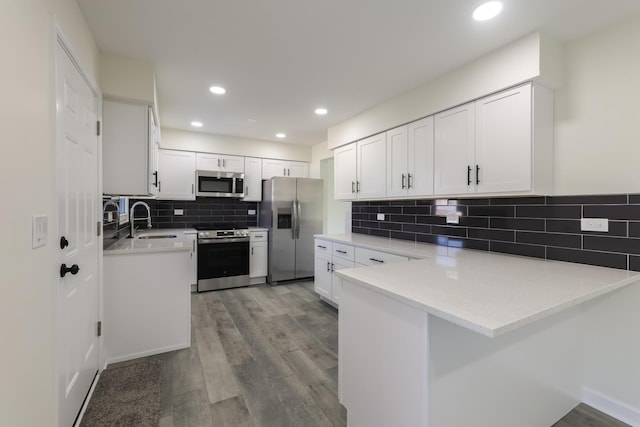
[[184, 241], [486, 292]]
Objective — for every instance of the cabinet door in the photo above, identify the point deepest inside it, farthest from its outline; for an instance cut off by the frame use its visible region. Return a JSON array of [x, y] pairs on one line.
[[208, 162], [252, 179], [344, 174], [454, 156], [233, 164], [397, 161], [503, 141], [322, 275], [125, 148], [371, 166], [420, 157], [177, 175], [258, 259], [272, 167], [336, 284], [298, 169]]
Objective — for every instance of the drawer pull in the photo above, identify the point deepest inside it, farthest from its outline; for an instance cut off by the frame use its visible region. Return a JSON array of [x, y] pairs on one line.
[[258, 236], [342, 252], [376, 260], [322, 247]]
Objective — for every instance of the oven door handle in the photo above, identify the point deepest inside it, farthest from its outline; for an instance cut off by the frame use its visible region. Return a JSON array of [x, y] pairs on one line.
[[224, 240]]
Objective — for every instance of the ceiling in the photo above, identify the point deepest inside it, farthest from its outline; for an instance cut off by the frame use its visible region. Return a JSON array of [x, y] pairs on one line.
[[281, 59]]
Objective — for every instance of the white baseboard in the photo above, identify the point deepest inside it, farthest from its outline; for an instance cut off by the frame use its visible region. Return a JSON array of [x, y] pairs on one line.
[[612, 407], [148, 353]]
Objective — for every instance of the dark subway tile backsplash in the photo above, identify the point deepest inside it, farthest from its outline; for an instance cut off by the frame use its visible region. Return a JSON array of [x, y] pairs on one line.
[[541, 227]]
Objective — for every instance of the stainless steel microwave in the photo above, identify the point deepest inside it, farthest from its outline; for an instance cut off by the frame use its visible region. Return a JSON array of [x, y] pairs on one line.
[[219, 184]]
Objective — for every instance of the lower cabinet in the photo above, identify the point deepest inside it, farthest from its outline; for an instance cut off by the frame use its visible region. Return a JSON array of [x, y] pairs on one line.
[[258, 256], [333, 256]]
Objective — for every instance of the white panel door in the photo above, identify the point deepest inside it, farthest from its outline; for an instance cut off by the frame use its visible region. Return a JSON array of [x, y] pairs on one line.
[[454, 157], [345, 172], [177, 175], [154, 146], [77, 186], [258, 261], [504, 142], [372, 166], [420, 157], [397, 161], [208, 162], [252, 179], [233, 164]]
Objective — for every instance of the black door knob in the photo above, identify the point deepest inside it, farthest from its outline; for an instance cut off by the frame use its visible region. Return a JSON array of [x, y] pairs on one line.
[[63, 242], [73, 269]]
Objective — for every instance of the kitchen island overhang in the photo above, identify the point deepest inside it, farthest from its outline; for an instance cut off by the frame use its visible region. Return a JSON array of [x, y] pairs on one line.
[[469, 338]]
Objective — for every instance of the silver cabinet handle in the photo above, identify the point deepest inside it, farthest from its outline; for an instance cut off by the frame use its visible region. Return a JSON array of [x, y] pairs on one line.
[[289, 172], [409, 184], [357, 186], [218, 162], [376, 260], [224, 163], [246, 190], [159, 186], [192, 188], [403, 178], [251, 251], [284, 171], [353, 184]]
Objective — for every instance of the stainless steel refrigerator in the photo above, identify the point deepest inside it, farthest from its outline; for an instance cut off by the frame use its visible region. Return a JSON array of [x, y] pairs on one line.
[[292, 210]]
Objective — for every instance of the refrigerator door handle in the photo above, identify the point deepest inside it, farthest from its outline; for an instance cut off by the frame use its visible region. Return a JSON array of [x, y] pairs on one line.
[[298, 216], [294, 220]]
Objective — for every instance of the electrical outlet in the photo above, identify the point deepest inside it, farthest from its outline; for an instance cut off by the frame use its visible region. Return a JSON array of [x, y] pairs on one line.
[[40, 230], [453, 219], [594, 224], [251, 212], [178, 211], [380, 217]]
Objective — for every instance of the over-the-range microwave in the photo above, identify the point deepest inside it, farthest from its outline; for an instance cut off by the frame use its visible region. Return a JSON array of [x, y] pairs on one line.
[[219, 184]]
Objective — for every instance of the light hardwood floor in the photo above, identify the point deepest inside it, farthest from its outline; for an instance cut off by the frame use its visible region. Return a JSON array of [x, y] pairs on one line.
[[267, 357]]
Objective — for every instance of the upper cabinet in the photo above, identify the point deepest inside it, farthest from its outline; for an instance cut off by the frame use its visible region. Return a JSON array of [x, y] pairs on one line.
[[219, 163], [410, 159], [360, 169], [252, 179], [500, 144], [293, 169], [177, 175], [129, 136]]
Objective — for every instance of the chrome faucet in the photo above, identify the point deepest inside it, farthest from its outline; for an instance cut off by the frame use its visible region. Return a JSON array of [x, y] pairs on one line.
[[132, 218]]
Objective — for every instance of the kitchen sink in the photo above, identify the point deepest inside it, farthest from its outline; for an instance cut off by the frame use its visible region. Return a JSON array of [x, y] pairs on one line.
[[157, 236]]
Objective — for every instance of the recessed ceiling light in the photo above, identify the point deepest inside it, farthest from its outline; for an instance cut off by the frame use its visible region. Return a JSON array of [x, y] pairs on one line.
[[321, 111], [196, 124], [281, 135], [217, 90], [487, 10]]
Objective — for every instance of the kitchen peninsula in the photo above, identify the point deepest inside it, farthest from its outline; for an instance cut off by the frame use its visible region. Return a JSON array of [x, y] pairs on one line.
[[464, 337]]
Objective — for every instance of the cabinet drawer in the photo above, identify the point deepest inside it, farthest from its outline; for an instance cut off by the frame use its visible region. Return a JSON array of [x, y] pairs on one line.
[[323, 247], [369, 257], [258, 236], [343, 251]]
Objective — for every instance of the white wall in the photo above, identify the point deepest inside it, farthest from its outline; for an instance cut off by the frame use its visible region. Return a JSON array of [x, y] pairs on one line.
[[209, 143], [337, 214], [534, 57], [319, 152], [597, 143], [27, 176], [127, 79]]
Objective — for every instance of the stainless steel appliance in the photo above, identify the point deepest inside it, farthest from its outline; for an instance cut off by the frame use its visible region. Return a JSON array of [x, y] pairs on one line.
[[291, 209], [223, 257], [219, 184]]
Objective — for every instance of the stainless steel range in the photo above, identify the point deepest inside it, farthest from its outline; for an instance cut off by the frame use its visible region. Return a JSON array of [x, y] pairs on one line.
[[223, 256]]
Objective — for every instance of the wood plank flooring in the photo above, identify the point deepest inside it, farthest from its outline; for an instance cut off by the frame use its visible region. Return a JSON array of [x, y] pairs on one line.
[[267, 357]]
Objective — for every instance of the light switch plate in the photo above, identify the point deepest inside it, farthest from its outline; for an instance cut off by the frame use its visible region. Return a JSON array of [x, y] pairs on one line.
[[453, 219], [380, 217], [252, 212], [594, 224], [178, 211], [40, 230]]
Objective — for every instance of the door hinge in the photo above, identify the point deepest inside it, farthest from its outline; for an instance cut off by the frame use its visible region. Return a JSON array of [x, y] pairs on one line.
[[99, 328], [98, 127], [98, 228]]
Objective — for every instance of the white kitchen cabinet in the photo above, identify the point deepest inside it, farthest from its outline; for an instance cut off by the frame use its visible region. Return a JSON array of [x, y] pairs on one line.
[[330, 257], [367, 158], [176, 175], [292, 169], [410, 159], [500, 144], [345, 172], [252, 179], [128, 135], [219, 163], [258, 256]]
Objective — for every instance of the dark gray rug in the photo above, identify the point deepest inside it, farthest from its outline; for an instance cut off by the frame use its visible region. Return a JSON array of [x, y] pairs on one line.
[[126, 396]]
